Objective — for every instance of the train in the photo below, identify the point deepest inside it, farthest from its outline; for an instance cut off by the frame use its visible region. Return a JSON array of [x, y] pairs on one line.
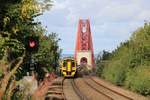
[[68, 67]]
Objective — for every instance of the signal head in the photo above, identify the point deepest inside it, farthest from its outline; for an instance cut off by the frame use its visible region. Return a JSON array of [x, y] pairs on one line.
[[32, 43]]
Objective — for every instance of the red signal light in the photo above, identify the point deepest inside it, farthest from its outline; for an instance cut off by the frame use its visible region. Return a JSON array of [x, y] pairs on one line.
[[32, 44]]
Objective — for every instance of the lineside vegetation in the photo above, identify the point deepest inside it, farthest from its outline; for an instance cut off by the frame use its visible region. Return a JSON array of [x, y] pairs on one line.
[[129, 64], [18, 20]]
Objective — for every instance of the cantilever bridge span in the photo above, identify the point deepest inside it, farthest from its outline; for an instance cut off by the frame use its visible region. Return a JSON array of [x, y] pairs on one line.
[[84, 46]]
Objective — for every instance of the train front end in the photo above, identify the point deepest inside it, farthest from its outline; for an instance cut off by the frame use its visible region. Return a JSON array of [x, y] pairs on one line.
[[68, 67]]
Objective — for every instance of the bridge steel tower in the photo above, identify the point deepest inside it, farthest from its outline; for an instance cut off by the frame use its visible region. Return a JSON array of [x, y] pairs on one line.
[[84, 47]]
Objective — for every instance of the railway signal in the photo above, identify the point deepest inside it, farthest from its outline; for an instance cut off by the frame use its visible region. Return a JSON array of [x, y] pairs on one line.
[[32, 43]]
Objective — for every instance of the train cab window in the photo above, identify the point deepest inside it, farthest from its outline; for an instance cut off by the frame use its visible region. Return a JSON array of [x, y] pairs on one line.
[[73, 64], [64, 64]]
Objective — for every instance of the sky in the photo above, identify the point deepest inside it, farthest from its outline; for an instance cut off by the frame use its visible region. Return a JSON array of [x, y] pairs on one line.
[[112, 21]]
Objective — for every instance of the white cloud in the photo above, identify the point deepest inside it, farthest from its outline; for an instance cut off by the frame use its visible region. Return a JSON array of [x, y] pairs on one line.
[[112, 21], [107, 10]]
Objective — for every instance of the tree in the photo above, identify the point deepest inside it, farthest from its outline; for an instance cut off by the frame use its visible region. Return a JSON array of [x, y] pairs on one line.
[[49, 53], [16, 22], [101, 61]]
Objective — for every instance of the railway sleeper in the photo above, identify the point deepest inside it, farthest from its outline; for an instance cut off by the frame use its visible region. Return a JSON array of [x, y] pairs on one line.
[[57, 83], [54, 92], [54, 86], [56, 89], [54, 97]]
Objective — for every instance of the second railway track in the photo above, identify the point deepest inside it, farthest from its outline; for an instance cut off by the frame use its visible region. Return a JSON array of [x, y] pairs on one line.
[[111, 94], [111, 91]]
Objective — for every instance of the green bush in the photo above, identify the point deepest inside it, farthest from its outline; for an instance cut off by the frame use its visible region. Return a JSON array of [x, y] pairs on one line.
[[99, 69], [1, 72], [115, 72], [138, 80]]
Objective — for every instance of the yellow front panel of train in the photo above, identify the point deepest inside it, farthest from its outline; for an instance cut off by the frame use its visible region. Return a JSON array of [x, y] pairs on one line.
[[68, 67]]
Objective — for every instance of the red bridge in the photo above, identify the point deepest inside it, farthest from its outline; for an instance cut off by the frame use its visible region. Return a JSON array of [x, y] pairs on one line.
[[84, 53]]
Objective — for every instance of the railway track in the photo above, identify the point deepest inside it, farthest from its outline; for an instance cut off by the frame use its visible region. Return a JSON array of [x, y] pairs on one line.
[[86, 88], [72, 91], [109, 93], [115, 92], [90, 92], [77, 90], [64, 89], [114, 95], [55, 91], [98, 90]]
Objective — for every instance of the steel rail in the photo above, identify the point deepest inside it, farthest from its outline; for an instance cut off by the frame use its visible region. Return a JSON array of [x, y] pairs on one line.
[[109, 97], [125, 96], [77, 90]]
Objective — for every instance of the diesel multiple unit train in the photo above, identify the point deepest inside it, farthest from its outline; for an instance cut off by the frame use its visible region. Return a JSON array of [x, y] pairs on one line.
[[68, 67]]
